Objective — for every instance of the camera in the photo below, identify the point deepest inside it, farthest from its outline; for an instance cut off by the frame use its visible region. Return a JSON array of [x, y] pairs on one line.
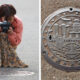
[[5, 26]]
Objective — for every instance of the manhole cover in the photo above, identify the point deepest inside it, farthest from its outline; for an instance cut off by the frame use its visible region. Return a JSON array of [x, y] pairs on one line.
[[61, 39]]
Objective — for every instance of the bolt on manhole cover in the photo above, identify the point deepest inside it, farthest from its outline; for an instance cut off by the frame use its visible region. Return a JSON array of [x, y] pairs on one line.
[[61, 39]]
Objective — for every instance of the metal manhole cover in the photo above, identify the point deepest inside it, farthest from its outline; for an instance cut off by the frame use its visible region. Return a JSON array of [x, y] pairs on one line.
[[61, 39]]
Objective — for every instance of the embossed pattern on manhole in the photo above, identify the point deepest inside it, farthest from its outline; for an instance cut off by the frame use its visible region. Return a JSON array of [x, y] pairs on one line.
[[61, 39]]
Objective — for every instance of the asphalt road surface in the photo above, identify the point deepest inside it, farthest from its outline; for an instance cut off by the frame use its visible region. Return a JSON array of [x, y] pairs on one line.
[[28, 50]]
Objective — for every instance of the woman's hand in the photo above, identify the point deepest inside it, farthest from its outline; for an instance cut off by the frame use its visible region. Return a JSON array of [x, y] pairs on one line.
[[10, 31], [0, 29]]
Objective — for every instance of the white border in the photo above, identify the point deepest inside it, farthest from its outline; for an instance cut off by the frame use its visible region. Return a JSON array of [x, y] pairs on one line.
[[39, 39]]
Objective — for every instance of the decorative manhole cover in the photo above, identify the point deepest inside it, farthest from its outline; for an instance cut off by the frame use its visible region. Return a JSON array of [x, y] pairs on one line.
[[61, 39]]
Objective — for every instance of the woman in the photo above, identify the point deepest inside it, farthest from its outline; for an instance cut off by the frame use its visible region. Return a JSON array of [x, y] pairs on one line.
[[11, 39]]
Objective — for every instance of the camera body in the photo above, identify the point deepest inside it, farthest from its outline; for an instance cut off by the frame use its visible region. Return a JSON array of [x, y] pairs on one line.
[[5, 26]]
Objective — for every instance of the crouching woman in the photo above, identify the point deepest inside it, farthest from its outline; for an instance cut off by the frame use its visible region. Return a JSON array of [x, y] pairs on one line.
[[11, 39]]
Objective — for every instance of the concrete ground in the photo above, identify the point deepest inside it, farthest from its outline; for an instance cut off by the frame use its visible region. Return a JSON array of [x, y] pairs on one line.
[[28, 50], [49, 72]]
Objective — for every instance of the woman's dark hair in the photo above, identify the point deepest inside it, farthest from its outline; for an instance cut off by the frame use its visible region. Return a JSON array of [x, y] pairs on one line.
[[7, 10]]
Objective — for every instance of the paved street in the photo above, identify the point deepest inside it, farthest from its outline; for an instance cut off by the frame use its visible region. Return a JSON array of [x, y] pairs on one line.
[[27, 10]]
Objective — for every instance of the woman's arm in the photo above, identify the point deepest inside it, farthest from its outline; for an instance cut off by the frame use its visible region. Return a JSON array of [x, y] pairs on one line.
[[16, 36]]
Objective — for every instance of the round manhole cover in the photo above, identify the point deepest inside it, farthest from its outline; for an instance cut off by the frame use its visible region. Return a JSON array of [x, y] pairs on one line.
[[61, 39]]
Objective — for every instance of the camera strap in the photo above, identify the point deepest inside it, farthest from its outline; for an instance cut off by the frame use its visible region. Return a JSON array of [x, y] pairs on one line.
[[12, 27]]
